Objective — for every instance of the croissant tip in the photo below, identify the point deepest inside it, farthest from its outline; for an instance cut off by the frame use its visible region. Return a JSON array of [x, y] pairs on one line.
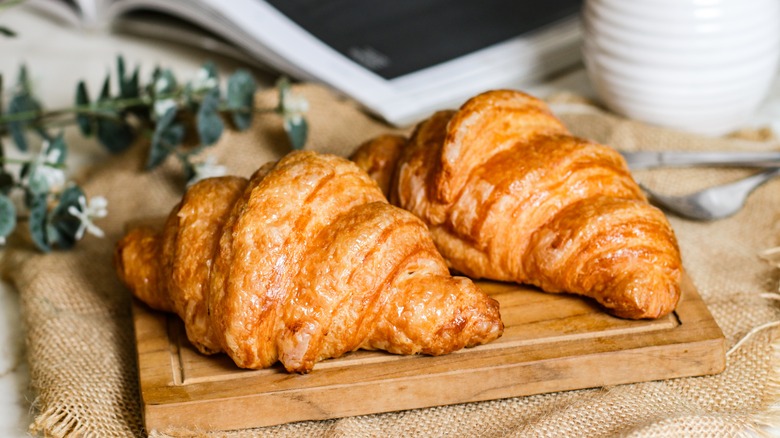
[[643, 300]]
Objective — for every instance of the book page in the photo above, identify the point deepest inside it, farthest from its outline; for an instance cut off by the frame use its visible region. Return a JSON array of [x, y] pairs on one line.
[[403, 75], [68, 11], [394, 39]]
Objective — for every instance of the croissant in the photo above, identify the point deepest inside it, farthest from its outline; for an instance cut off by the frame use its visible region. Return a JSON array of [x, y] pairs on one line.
[[509, 194], [304, 261]]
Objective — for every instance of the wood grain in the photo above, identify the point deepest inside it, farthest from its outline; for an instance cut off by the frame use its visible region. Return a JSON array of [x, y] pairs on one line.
[[552, 342]]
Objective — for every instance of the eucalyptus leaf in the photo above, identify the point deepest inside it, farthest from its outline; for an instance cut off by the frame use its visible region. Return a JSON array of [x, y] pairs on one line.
[[69, 196], [206, 78], [283, 84], [112, 131], [166, 120], [105, 90], [188, 93], [167, 135], [152, 80], [37, 184], [164, 91], [62, 225], [241, 89], [37, 223], [210, 69], [297, 130], [187, 167], [23, 80], [6, 179], [115, 135], [22, 103], [164, 145], [7, 32], [134, 84], [157, 154], [82, 99], [57, 151], [128, 86], [132, 89], [209, 123], [7, 216], [24, 171], [6, 182], [120, 69], [164, 84]]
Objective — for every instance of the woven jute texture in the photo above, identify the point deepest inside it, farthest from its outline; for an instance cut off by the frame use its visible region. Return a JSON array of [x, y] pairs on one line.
[[80, 340]]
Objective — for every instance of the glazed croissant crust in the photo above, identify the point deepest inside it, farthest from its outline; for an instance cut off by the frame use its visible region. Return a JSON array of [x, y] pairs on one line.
[[509, 194], [304, 261]]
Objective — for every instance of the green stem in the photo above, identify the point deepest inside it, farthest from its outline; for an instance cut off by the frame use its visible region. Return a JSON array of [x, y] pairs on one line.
[[95, 111], [81, 109], [7, 160]]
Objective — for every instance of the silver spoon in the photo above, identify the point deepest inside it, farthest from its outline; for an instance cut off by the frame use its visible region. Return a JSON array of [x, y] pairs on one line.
[[651, 159], [716, 202]]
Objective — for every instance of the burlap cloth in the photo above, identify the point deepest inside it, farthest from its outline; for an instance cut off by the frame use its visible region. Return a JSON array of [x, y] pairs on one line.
[[80, 341]]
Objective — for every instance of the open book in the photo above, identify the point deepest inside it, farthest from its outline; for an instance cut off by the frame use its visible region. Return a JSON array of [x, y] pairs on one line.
[[401, 60]]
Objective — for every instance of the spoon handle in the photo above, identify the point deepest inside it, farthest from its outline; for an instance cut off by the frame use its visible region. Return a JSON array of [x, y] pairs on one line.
[[651, 159], [752, 182]]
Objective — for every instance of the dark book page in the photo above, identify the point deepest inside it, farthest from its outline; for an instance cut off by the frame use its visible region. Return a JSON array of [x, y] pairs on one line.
[[394, 38]]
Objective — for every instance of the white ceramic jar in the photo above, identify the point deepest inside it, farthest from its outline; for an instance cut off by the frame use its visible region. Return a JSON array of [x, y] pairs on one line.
[[697, 65]]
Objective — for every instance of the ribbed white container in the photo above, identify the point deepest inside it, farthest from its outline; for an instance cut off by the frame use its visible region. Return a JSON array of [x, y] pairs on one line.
[[697, 65]]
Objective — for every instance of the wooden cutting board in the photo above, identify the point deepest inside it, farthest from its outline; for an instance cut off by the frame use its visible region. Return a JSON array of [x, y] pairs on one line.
[[551, 343]]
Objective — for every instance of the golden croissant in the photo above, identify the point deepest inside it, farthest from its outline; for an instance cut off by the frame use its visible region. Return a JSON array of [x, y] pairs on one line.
[[304, 261], [509, 194]]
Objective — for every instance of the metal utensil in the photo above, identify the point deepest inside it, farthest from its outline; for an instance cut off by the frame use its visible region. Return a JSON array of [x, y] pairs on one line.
[[651, 159], [716, 202]]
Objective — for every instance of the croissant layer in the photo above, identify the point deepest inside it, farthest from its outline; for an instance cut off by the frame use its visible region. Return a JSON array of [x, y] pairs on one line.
[[509, 194], [304, 261]]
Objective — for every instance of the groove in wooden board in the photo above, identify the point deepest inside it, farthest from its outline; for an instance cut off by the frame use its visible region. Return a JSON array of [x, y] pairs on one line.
[[579, 318], [552, 343], [178, 343]]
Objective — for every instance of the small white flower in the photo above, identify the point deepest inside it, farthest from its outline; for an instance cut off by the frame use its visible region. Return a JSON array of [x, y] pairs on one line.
[[207, 169], [44, 170], [52, 176], [162, 106], [296, 103], [161, 84], [53, 156], [203, 81], [294, 106], [97, 208]]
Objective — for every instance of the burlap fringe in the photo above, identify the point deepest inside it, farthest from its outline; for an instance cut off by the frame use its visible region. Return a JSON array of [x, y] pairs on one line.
[[57, 423], [769, 421], [772, 255]]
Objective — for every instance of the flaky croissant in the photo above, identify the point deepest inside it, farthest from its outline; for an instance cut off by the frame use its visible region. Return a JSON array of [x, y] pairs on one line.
[[305, 261], [509, 194]]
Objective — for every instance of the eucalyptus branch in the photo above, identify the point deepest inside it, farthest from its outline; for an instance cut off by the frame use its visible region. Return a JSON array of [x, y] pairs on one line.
[[179, 121]]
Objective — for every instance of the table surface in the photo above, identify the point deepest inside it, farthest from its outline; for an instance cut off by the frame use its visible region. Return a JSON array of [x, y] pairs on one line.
[[57, 56]]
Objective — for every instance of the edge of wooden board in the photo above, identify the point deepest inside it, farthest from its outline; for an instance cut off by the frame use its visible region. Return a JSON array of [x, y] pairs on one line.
[[182, 389]]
